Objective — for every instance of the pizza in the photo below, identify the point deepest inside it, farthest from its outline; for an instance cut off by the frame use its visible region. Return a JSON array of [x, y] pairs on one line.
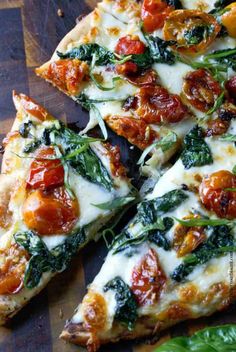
[[176, 259], [151, 70], [57, 190]]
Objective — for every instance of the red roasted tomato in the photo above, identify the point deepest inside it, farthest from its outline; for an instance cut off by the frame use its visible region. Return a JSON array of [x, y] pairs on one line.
[[45, 173], [215, 195], [67, 74], [201, 89], [148, 279], [154, 13], [50, 213], [231, 87], [12, 270], [156, 105], [32, 107], [129, 45]]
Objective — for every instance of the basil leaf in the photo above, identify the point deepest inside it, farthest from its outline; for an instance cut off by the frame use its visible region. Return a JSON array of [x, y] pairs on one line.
[[228, 137], [164, 144], [225, 57], [217, 104], [126, 305], [85, 52], [159, 50], [204, 222], [213, 339], [196, 151], [115, 203]]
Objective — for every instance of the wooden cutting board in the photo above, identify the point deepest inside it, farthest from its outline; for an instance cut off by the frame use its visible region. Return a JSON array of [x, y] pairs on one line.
[[30, 31]]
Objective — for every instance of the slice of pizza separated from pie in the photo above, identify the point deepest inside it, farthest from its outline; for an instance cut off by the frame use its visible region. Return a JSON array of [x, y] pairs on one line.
[[52, 180], [150, 69], [176, 259]]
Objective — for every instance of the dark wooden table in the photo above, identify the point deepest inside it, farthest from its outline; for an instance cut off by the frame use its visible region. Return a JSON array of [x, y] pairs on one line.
[[30, 31]]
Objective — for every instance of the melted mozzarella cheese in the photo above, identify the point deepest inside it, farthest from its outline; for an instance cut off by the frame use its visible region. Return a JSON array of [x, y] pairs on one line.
[[202, 5]]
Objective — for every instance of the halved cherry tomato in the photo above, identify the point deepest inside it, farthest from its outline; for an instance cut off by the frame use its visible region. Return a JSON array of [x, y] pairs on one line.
[[186, 239], [129, 45], [154, 14], [144, 78], [136, 131], [215, 196], [148, 279], [227, 112], [94, 311], [192, 30], [50, 213], [231, 87], [156, 105], [30, 106], [217, 127], [201, 89], [67, 74], [116, 166], [45, 173], [228, 19], [127, 68], [12, 270]]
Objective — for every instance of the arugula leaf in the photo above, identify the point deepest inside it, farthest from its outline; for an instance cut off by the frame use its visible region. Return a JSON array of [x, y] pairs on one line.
[[85, 52], [42, 259], [164, 144], [126, 305], [219, 242], [196, 151], [115, 203], [217, 339]]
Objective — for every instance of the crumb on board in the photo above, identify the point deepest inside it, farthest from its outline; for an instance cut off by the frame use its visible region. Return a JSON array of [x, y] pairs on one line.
[[61, 315], [60, 13]]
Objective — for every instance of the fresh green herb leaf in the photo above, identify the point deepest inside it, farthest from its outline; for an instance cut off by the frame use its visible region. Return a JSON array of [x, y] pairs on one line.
[[226, 57], [197, 34], [159, 50], [230, 189], [126, 305], [32, 146], [164, 144], [175, 3], [234, 170], [42, 259], [213, 339], [219, 242], [85, 52], [196, 151], [25, 128], [204, 222], [228, 137], [115, 203], [217, 104]]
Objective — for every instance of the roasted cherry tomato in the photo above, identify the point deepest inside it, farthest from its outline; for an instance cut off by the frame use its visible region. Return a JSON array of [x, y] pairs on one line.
[[231, 87], [154, 14], [68, 74], [217, 127], [30, 106], [94, 311], [216, 195], [50, 213], [201, 89], [130, 45], [148, 279], [127, 68], [186, 239], [144, 78], [227, 112], [113, 152], [12, 269], [228, 19], [192, 30], [136, 131], [45, 172], [156, 105]]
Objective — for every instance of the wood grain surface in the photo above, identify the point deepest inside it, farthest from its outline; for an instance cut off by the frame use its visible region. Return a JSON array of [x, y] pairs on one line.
[[30, 31]]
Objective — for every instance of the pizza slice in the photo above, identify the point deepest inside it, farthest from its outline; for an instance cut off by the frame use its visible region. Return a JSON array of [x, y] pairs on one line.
[[176, 259], [149, 69], [51, 183]]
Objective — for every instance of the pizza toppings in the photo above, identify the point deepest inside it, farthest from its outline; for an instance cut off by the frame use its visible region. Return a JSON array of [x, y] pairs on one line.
[[148, 279], [154, 14], [68, 74], [192, 30], [201, 89], [228, 19], [157, 105], [136, 131], [217, 127], [148, 77], [231, 87], [94, 311], [130, 45], [50, 213], [12, 269], [116, 166], [217, 193], [45, 171]]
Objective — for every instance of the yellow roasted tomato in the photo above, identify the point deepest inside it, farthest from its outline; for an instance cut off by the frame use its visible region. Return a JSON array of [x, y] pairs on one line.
[[192, 30], [228, 19]]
